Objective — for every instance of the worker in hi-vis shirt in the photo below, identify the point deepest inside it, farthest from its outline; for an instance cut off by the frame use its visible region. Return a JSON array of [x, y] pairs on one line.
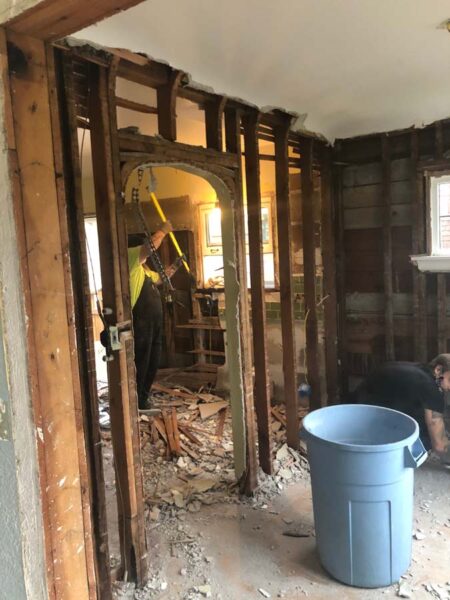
[[147, 314]]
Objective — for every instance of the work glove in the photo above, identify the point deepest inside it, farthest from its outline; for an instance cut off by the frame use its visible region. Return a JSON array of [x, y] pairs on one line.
[[166, 227]]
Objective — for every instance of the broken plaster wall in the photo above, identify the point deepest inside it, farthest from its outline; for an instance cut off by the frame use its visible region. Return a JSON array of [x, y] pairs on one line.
[[22, 566]]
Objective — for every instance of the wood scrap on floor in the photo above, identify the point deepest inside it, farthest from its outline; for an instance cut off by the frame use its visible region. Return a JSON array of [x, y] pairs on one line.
[[187, 452]]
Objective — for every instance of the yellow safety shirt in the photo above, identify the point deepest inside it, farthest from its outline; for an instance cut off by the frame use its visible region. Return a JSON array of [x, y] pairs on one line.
[[138, 273]]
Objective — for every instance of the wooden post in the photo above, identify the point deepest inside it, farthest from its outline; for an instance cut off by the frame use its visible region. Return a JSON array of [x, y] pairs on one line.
[[64, 87], [286, 288], [167, 104], [329, 278], [113, 262], [46, 256], [233, 145], [441, 277], [387, 249], [339, 231], [309, 269], [213, 120], [262, 382], [418, 246]]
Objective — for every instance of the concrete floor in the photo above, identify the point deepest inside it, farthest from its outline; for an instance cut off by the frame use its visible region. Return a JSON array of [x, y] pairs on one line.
[[241, 550]]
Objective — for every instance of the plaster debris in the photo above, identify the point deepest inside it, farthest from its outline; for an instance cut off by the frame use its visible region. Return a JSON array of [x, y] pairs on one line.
[[263, 593], [403, 591]]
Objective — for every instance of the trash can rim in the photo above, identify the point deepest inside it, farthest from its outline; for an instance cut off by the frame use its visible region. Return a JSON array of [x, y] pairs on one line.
[[406, 442]]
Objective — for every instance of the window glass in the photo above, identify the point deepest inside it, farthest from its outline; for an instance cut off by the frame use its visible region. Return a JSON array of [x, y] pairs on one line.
[[443, 206]]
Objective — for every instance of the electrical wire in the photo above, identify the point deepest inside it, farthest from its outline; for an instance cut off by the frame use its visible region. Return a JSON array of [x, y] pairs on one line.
[[321, 301]]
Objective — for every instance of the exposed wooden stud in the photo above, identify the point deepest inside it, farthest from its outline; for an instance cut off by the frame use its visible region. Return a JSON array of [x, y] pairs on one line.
[[167, 101], [116, 298], [213, 119], [83, 312], [338, 206], [45, 246], [233, 145], [309, 268], [38, 402], [442, 313], [80, 397], [52, 19], [439, 140], [286, 282], [441, 277], [387, 248], [329, 279], [418, 247], [262, 382], [136, 106]]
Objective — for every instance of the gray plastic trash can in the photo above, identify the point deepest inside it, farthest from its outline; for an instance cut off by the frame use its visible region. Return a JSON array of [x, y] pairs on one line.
[[362, 460]]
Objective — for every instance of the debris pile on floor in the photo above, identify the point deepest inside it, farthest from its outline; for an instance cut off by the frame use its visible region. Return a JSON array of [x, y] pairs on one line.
[[187, 454]]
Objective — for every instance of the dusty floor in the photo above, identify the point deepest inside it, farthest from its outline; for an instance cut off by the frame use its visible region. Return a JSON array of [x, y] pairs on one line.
[[237, 552]]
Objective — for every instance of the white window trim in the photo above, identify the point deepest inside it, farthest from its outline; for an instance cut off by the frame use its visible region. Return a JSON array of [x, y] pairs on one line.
[[439, 259]]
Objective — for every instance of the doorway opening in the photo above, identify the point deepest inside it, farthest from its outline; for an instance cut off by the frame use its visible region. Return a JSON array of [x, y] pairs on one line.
[[187, 449]]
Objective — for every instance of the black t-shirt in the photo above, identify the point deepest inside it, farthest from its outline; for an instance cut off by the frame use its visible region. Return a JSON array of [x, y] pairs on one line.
[[406, 387]]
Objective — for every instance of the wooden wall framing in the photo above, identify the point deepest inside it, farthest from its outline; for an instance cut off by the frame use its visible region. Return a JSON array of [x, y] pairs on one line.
[[55, 174], [46, 262], [392, 310]]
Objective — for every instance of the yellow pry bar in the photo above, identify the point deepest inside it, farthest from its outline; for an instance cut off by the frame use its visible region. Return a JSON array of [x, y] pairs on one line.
[[160, 212]]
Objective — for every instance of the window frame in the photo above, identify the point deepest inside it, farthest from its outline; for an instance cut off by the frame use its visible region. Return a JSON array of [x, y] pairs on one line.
[[433, 212], [267, 202]]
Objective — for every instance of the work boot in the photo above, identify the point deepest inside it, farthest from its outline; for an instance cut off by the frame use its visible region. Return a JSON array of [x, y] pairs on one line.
[[146, 408]]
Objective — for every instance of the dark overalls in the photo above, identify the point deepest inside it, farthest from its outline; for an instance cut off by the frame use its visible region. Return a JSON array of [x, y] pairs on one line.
[[147, 325]]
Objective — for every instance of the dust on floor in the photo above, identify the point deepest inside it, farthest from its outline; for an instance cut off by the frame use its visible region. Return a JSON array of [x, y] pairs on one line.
[[240, 550], [206, 542]]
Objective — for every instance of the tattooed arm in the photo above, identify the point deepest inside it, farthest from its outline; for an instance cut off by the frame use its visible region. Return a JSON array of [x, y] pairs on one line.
[[436, 429]]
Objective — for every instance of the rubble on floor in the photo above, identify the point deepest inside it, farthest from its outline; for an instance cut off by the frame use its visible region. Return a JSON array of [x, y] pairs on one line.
[[187, 454], [187, 457]]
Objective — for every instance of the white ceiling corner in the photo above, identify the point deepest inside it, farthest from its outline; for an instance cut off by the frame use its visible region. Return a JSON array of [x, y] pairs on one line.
[[354, 66]]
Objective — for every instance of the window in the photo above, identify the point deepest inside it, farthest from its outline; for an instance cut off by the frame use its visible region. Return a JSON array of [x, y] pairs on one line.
[[211, 232], [440, 214], [438, 258]]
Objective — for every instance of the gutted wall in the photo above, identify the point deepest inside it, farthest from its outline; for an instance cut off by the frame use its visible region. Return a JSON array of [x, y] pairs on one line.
[[379, 193]]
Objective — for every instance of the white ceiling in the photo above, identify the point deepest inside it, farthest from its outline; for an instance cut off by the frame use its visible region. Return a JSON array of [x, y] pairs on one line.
[[353, 66]]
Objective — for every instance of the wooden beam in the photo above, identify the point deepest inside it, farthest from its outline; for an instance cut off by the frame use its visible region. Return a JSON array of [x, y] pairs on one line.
[[145, 147], [309, 269], [418, 247], [64, 86], [52, 19], [262, 381], [36, 399], [46, 245], [338, 205], [284, 227], [441, 277], [80, 398], [113, 262], [136, 106], [387, 248], [167, 103], [150, 73], [328, 219], [442, 313], [213, 120], [233, 145]]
